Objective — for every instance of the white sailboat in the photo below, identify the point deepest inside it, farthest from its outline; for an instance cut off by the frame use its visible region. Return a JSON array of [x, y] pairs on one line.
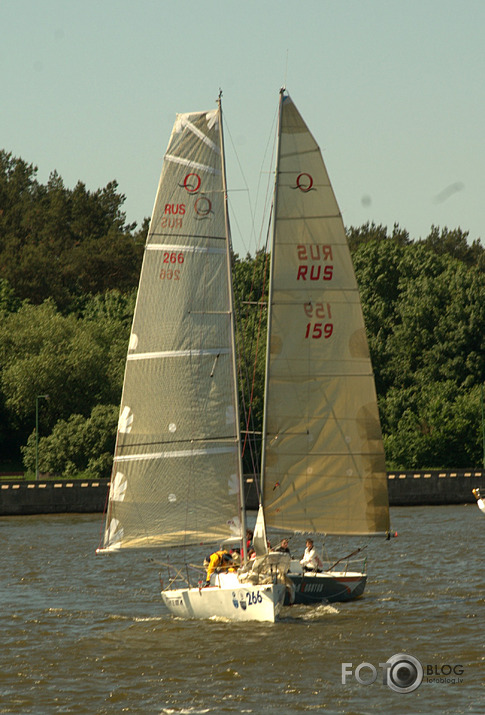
[[177, 477], [323, 466]]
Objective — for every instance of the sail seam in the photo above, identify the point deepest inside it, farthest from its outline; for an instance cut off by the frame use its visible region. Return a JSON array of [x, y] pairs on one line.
[[181, 247], [179, 353], [222, 439], [311, 218], [181, 453], [285, 155], [203, 137], [192, 164], [188, 235]]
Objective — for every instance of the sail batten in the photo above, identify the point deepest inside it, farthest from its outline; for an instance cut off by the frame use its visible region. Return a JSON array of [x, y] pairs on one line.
[[323, 465]]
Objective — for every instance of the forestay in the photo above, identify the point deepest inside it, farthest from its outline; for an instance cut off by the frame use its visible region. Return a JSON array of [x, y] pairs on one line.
[[176, 469], [323, 465]]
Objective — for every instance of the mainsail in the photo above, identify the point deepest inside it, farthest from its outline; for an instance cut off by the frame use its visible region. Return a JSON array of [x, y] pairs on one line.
[[176, 477], [323, 460]]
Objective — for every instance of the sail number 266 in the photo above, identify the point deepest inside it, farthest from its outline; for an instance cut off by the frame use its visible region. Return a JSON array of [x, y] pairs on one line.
[[171, 259]]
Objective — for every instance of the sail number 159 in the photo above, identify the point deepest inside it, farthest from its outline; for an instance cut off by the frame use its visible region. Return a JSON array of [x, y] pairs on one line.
[[320, 329]]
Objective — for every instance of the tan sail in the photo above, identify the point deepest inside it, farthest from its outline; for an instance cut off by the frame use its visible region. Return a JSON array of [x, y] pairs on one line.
[[176, 474], [323, 459]]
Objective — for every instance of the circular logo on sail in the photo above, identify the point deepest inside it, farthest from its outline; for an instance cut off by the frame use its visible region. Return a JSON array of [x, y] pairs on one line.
[[304, 182], [203, 207], [192, 183]]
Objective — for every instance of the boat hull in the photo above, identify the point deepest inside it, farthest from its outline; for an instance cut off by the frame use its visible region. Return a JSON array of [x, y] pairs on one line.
[[327, 587], [235, 602]]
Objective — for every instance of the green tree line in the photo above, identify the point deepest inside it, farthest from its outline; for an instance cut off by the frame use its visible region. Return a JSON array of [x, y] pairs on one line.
[[69, 267]]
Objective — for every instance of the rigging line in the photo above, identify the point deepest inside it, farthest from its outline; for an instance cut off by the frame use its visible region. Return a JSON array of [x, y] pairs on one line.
[[246, 186], [269, 175], [258, 335], [250, 436], [246, 349]]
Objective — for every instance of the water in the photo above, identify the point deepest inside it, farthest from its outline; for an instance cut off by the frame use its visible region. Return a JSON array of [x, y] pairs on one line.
[[88, 634]]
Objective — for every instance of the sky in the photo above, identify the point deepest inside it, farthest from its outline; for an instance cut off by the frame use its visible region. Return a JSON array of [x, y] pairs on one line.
[[392, 90]]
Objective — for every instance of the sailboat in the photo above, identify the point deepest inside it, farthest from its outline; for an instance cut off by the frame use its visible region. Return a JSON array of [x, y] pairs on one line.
[[323, 466], [177, 477]]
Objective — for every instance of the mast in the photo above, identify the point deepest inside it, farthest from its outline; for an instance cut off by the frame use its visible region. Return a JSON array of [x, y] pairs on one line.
[[270, 300], [242, 508]]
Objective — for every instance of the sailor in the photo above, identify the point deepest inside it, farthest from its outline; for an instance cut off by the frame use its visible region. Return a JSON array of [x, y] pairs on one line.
[[311, 561], [480, 500], [219, 560], [283, 547]]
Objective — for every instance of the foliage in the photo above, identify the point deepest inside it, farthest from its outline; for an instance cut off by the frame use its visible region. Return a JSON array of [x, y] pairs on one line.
[[59, 243], [69, 268], [436, 419], [250, 296], [424, 309], [78, 445]]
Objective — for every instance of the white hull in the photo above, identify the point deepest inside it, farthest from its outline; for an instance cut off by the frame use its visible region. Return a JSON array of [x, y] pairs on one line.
[[227, 598]]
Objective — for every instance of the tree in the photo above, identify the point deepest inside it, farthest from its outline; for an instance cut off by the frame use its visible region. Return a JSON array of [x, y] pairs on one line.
[[78, 362], [250, 289], [435, 426], [455, 244], [76, 446], [62, 244]]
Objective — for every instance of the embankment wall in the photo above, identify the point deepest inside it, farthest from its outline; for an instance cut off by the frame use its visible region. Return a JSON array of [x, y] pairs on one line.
[[50, 496]]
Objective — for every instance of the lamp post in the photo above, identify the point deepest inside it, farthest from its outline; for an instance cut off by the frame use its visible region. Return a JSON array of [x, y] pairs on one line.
[[483, 427], [39, 397]]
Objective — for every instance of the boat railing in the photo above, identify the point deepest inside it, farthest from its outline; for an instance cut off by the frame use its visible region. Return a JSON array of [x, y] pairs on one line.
[[345, 561], [183, 576], [345, 565]]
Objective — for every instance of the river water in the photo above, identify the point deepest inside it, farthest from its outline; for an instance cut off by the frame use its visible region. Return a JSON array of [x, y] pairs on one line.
[[88, 634]]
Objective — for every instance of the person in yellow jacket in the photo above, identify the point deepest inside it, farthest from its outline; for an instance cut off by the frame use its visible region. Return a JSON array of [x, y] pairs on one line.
[[221, 560]]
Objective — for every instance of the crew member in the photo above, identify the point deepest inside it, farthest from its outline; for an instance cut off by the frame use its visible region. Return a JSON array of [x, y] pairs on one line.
[[311, 561], [221, 560], [283, 548]]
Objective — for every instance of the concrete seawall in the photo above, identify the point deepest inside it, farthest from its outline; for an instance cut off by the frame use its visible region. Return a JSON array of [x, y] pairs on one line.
[[427, 488], [53, 497], [50, 496], [434, 487]]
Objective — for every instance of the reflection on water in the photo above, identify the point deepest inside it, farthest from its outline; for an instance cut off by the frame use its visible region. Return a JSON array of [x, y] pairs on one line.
[[89, 634]]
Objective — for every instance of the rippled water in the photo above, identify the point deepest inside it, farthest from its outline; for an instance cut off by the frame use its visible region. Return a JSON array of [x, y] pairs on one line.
[[88, 634]]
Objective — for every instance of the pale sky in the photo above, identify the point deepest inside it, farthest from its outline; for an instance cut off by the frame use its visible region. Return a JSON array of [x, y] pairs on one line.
[[392, 90]]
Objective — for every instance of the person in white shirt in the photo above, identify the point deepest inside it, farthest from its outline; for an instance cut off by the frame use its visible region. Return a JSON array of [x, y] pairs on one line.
[[311, 561], [480, 500]]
